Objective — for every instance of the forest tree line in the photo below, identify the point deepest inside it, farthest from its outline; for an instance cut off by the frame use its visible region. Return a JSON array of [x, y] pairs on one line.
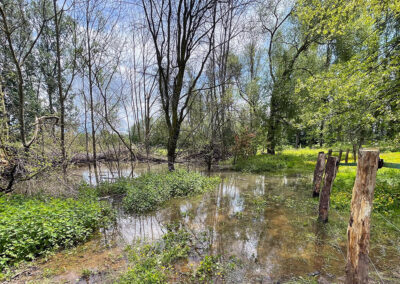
[[213, 77]]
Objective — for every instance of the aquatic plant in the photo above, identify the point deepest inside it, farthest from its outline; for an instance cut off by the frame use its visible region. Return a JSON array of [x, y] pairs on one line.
[[150, 190], [156, 262], [151, 263]]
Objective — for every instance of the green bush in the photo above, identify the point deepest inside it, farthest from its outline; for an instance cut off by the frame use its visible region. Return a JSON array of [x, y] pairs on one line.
[[116, 187], [31, 227], [150, 190]]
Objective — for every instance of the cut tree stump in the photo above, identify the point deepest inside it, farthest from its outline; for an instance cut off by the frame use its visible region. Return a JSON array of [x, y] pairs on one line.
[[358, 230], [324, 200], [318, 173]]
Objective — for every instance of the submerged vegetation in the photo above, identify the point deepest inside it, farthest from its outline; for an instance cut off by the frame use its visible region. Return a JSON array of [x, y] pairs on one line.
[[155, 263], [33, 227]]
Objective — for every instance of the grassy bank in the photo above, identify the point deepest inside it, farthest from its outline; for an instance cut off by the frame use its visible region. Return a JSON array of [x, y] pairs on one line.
[[387, 189], [295, 160], [33, 227], [149, 191]]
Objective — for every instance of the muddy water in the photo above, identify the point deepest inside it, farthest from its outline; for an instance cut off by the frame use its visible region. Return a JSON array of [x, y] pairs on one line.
[[267, 222]]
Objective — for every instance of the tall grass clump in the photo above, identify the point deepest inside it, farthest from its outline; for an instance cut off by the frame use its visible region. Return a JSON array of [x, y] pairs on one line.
[[32, 227], [150, 190]]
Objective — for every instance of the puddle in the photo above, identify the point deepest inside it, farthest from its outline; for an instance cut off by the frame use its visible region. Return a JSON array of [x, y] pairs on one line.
[[267, 222]]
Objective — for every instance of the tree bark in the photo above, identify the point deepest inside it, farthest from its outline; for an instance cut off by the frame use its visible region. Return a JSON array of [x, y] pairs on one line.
[[358, 230], [318, 173]]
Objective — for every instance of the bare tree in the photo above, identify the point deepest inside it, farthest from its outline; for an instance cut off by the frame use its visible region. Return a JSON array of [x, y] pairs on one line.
[[181, 30], [63, 92]]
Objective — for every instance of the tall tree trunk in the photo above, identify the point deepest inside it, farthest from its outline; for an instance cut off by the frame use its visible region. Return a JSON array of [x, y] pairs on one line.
[[272, 134], [91, 104], [172, 145], [60, 90], [3, 119]]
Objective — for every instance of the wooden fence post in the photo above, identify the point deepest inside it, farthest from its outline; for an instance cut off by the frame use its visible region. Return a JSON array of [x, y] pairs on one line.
[[330, 153], [318, 173], [346, 160], [359, 224], [330, 174]]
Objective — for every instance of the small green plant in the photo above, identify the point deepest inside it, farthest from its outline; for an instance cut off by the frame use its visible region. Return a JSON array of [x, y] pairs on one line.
[[86, 273], [207, 269]]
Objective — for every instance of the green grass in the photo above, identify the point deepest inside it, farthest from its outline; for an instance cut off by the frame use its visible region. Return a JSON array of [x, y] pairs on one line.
[[32, 227], [285, 161], [150, 190]]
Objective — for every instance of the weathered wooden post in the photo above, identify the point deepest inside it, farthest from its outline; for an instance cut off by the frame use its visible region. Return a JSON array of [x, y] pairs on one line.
[[359, 223], [330, 153], [330, 174], [346, 160], [318, 173]]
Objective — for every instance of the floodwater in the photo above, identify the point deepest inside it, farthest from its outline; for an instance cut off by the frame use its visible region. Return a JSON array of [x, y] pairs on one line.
[[267, 222]]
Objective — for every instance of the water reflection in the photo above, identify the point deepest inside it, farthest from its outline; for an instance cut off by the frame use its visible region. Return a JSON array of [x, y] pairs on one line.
[[274, 239]]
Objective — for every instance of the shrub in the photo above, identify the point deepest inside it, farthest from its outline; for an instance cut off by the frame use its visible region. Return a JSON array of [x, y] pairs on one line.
[[31, 227], [116, 187], [150, 190]]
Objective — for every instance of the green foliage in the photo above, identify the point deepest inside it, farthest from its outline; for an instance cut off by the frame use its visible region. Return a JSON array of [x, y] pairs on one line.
[[32, 227], [150, 190], [155, 263], [116, 187], [207, 269], [354, 98], [151, 263]]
